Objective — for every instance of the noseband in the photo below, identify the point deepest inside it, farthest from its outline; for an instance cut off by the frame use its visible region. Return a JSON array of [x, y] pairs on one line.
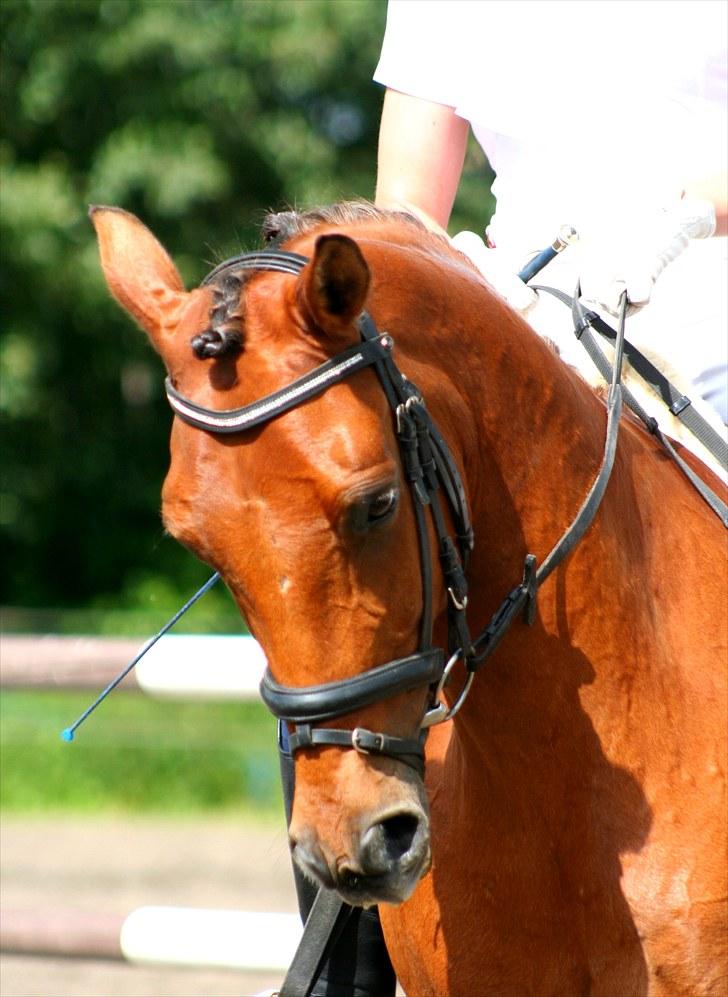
[[431, 472]]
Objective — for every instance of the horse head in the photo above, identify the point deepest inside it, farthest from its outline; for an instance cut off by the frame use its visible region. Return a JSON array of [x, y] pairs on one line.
[[307, 469], [307, 516]]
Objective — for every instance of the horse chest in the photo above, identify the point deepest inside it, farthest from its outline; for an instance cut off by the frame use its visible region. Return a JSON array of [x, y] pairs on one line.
[[498, 920], [507, 910]]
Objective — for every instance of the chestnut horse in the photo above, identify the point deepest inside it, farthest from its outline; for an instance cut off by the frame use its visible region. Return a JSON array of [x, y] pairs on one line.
[[571, 838]]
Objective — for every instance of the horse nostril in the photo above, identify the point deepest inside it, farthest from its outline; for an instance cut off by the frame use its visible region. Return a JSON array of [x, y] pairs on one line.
[[349, 880], [387, 842], [399, 834]]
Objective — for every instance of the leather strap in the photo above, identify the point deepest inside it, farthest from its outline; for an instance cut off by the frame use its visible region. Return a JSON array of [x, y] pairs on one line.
[[674, 400], [314, 703], [308, 386], [266, 259], [584, 320], [411, 751], [326, 918], [522, 599]]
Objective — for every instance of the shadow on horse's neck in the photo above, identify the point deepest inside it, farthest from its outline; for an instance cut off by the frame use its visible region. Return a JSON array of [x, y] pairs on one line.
[[528, 430], [526, 776], [530, 435]]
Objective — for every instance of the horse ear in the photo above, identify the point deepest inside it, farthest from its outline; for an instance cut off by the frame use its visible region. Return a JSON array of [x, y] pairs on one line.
[[139, 272], [333, 286]]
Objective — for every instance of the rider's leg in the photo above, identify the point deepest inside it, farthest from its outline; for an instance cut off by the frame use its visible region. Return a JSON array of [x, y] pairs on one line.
[[359, 965]]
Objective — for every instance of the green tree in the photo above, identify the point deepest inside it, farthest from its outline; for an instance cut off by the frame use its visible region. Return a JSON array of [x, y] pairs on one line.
[[197, 115]]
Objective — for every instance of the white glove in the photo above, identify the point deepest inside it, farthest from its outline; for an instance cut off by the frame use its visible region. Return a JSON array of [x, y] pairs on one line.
[[500, 277], [632, 261]]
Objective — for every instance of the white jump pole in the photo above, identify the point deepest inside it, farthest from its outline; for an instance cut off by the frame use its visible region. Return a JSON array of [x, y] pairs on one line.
[[170, 936], [178, 665], [200, 667], [227, 939]]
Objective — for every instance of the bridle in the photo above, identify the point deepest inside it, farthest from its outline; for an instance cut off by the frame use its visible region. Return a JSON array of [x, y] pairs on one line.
[[431, 472]]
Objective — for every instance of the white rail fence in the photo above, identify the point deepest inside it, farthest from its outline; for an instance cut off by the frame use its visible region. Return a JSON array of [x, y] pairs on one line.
[[192, 666], [171, 936], [179, 666]]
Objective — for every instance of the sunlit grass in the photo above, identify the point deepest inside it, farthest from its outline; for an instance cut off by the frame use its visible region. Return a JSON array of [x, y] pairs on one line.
[[136, 755]]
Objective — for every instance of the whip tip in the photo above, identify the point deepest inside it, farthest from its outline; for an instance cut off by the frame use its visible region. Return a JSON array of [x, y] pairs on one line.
[[67, 734]]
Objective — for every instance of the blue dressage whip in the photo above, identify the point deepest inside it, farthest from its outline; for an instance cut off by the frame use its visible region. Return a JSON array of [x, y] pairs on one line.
[[69, 733]]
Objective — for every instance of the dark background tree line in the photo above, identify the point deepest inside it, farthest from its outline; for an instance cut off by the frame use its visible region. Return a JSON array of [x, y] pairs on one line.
[[199, 116]]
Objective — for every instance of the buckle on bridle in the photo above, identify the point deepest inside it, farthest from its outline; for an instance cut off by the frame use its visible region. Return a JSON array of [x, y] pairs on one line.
[[403, 412], [440, 711], [376, 741], [461, 604]]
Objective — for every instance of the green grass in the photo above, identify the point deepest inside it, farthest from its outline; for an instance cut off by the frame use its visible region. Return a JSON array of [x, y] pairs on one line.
[[136, 755]]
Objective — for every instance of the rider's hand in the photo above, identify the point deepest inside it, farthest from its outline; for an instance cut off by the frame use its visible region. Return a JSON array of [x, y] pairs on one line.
[[500, 277], [632, 260]]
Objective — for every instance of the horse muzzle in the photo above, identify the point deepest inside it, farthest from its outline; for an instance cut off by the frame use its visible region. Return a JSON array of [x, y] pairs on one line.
[[384, 863]]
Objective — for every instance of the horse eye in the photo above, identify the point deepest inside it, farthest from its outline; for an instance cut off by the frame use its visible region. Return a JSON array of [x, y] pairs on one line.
[[367, 511], [383, 506]]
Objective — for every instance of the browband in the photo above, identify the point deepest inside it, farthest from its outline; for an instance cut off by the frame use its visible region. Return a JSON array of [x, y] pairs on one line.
[[236, 420]]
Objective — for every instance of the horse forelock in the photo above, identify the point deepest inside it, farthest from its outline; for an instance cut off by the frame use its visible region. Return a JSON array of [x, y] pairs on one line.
[[224, 335]]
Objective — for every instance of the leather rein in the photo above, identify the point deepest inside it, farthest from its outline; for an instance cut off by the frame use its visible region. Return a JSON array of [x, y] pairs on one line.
[[432, 473]]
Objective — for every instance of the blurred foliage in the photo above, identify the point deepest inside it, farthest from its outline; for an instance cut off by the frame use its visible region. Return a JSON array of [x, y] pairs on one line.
[[197, 115], [147, 603], [140, 755]]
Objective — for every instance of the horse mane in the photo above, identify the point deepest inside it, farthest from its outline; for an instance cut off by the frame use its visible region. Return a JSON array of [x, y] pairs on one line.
[[224, 336], [403, 228], [282, 226]]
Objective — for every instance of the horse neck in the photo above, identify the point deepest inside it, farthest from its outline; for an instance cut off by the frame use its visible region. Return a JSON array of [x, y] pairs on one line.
[[528, 430], [530, 434]]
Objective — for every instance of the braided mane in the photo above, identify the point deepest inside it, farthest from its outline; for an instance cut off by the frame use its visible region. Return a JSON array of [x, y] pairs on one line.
[[224, 336]]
